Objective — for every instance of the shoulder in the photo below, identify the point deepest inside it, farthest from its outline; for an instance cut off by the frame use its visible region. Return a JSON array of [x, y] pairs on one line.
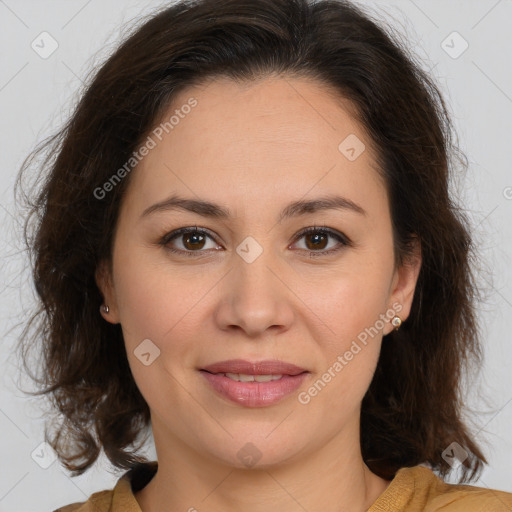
[[467, 498], [419, 489], [121, 498], [98, 502], [439, 495]]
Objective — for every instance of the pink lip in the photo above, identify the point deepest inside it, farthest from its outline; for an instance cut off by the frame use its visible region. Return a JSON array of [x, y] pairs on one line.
[[254, 394], [266, 367]]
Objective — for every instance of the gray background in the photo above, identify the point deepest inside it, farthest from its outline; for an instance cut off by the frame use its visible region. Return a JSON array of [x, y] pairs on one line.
[[36, 96]]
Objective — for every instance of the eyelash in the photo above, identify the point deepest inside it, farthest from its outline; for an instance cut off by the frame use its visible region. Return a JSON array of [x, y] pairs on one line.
[[344, 241]]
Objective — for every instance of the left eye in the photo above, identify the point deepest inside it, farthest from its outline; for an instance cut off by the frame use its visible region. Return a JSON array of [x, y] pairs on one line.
[[193, 240], [316, 237]]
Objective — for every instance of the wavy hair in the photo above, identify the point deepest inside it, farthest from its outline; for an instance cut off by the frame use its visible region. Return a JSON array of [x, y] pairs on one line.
[[412, 410]]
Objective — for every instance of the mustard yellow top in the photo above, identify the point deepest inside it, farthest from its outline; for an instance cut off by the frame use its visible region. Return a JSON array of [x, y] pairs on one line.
[[413, 489]]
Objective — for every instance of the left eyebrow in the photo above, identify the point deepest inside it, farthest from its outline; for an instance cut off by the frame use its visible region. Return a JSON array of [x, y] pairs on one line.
[[294, 209], [299, 208]]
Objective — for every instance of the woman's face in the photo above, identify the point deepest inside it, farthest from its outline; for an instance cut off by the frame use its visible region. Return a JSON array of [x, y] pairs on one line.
[[253, 287]]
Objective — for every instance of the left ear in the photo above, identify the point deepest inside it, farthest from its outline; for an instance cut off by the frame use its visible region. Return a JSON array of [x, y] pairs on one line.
[[404, 284]]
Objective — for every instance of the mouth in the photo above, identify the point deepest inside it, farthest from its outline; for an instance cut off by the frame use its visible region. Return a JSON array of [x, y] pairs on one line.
[[245, 377], [243, 367], [254, 384]]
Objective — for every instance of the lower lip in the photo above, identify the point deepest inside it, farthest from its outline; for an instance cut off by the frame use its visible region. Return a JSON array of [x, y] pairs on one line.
[[254, 394]]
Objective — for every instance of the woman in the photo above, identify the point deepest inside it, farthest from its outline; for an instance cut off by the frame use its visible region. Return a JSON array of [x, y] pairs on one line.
[[249, 200]]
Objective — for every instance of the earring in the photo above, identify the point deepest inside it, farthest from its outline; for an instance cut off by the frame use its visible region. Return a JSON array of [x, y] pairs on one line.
[[396, 321], [105, 308]]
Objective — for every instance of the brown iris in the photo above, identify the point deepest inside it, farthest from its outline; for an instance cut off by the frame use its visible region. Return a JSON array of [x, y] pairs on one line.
[[317, 243], [193, 238]]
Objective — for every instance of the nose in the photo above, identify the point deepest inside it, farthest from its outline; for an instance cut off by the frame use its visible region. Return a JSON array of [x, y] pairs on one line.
[[255, 297]]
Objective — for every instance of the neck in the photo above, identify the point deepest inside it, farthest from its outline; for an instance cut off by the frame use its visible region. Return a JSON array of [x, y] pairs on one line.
[[331, 477]]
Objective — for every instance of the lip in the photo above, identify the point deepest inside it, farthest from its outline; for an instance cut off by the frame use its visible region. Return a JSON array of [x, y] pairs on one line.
[[254, 394], [266, 367]]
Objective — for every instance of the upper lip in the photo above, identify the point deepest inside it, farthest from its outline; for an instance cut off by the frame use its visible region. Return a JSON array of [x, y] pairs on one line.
[[267, 367]]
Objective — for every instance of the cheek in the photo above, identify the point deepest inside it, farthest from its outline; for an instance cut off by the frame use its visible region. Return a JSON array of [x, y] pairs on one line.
[[350, 353], [351, 305], [153, 305], [353, 298], [151, 301]]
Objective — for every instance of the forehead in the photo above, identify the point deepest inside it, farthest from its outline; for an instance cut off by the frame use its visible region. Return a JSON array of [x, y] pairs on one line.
[[273, 138]]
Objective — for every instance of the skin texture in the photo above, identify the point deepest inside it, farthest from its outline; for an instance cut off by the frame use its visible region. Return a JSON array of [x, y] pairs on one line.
[[255, 148]]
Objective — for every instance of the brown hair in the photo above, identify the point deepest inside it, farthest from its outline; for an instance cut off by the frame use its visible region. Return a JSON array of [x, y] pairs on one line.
[[412, 409]]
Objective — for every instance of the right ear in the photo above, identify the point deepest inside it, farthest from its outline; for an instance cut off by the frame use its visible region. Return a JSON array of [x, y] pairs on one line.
[[104, 281]]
